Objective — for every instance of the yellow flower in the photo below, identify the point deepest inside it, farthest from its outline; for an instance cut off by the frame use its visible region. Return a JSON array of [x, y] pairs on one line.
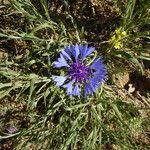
[[118, 45], [124, 33], [117, 31], [117, 36], [113, 38]]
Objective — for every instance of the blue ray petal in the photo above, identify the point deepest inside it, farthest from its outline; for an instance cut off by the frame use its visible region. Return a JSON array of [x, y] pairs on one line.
[[85, 51], [60, 63], [100, 71], [68, 50], [100, 75], [69, 87], [91, 86], [76, 90], [87, 89], [59, 80], [66, 54], [95, 81], [97, 65], [75, 51], [89, 51]]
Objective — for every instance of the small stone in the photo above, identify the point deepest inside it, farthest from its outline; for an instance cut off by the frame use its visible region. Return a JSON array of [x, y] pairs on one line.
[[11, 130]]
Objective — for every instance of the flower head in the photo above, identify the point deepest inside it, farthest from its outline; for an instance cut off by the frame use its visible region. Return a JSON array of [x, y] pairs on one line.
[[117, 38], [80, 77]]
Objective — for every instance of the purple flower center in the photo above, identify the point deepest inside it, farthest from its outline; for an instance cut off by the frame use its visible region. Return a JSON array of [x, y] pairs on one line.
[[79, 71]]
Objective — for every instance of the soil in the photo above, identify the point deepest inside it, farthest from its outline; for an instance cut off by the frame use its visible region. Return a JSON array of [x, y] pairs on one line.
[[98, 18], [134, 82]]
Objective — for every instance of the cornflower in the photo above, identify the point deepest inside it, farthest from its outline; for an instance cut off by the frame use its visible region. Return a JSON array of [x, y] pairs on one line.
[[80, 77]]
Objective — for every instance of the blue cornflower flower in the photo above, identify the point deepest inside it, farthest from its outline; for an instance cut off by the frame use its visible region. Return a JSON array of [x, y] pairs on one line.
[[80, 77]]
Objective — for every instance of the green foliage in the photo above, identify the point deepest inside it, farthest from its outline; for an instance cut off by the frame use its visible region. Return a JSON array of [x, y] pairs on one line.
[[133, 45], [46, 117]]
